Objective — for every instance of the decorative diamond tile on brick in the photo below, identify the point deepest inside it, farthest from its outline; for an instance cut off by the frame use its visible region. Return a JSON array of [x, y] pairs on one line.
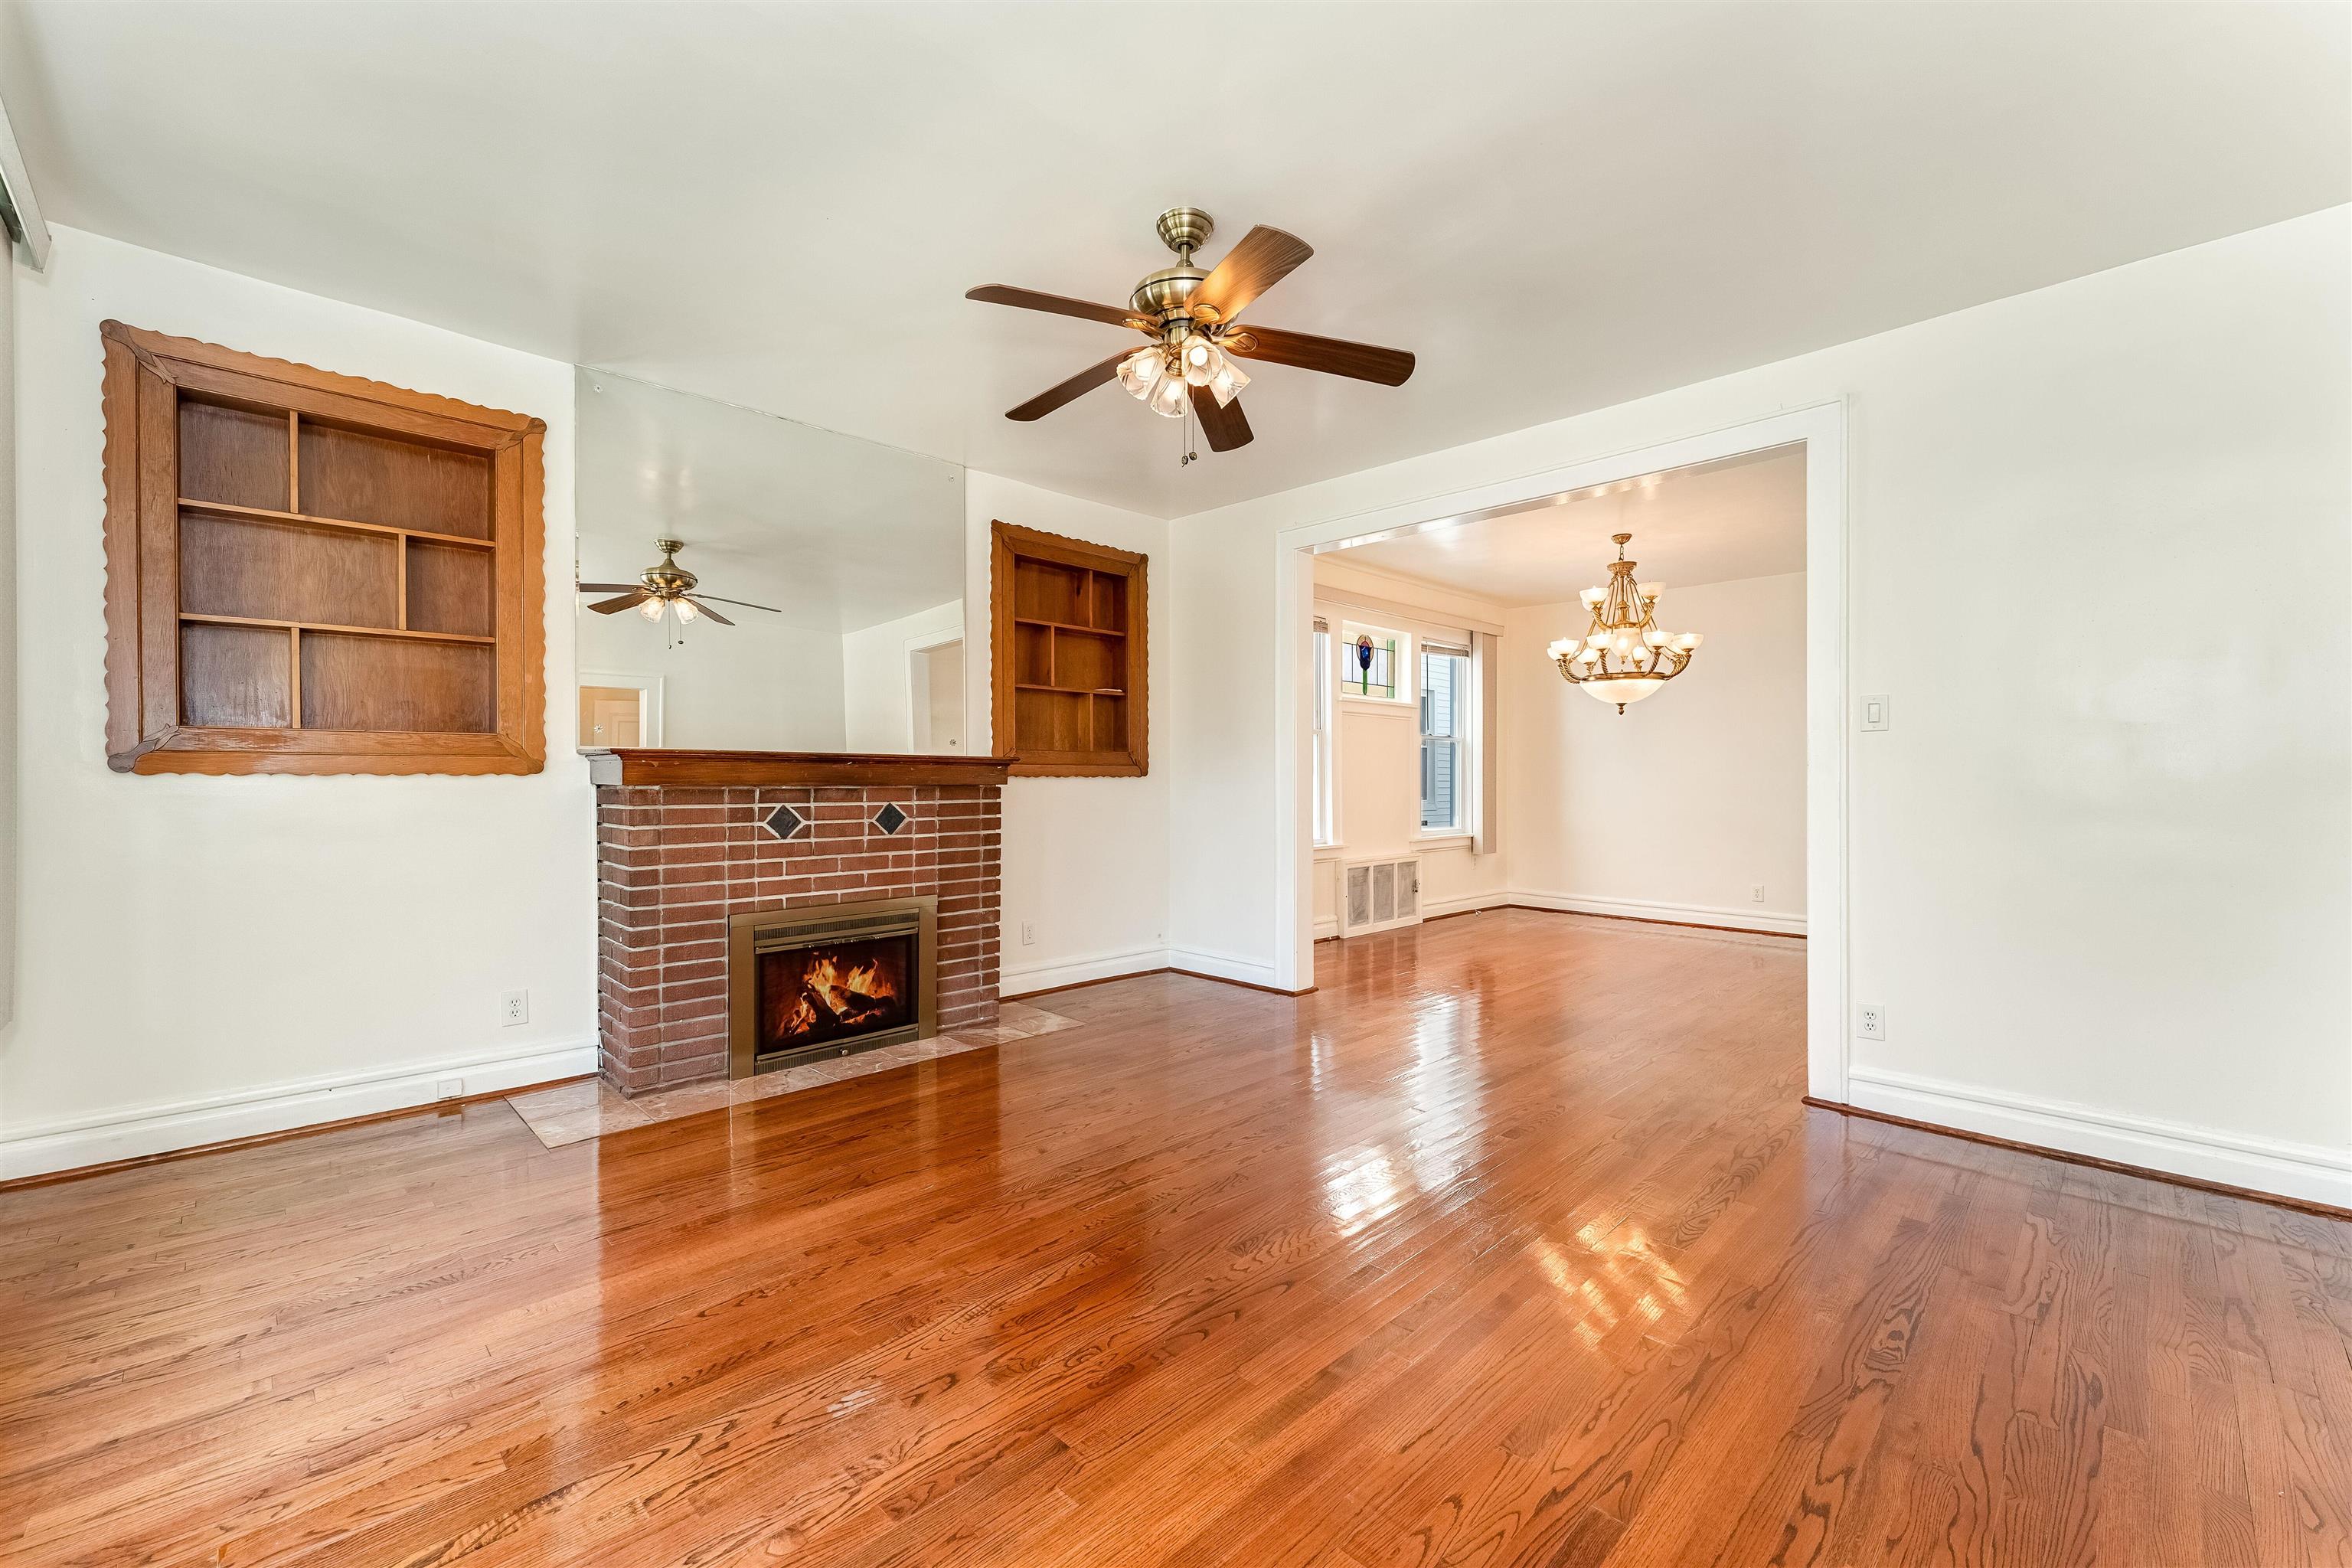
[[889, 819], [784, 822]]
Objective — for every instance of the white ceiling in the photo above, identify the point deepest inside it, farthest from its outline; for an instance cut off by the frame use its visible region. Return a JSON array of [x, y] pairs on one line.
[[1715, 522], [832, 533], [1557, 208]]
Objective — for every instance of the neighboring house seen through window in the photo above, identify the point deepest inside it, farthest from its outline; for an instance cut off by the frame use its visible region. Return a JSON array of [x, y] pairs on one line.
[[1444, 717]]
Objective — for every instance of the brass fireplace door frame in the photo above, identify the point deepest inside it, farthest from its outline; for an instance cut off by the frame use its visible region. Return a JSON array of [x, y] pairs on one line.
[[841, 921]]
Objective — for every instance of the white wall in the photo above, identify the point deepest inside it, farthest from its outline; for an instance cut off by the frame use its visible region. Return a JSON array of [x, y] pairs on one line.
[[8, 652], [211, 957], [760, 685], [1378, 750], [2107, 907], [1086, 860], [877, 678], [1680, 806]]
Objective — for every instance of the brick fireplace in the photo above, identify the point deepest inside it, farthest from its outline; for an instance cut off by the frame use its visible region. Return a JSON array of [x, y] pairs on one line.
[[687, 841]]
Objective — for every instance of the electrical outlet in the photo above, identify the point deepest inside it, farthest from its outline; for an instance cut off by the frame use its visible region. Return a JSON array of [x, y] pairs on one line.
[[514, 1007], [1870, 1021], [1028, 934], [1877, 713], [1756, 893], [449, 1088]]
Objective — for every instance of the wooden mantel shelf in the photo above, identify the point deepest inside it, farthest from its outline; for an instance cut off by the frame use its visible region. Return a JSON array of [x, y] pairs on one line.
[[703, 770]]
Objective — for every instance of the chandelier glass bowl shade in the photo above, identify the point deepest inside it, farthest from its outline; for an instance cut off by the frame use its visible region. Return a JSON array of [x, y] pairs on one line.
[[1624, 655]]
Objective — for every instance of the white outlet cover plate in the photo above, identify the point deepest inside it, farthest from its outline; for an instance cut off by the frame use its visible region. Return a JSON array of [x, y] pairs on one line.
[[1870, 1021]]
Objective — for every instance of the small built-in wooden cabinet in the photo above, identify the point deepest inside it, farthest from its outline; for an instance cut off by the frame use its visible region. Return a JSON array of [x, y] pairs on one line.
[[310, 573], [1067, 655]]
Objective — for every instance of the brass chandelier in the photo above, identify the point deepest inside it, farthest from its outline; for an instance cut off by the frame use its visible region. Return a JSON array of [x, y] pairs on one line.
[[1624, 655]]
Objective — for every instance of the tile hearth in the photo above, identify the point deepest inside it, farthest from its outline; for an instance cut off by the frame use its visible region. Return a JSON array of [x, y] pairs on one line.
[[576, 1112]]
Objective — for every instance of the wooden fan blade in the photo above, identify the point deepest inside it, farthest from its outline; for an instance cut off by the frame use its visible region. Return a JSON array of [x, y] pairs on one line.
[[722, 599], [1053, 397], [626, 602], [608, 587], [1055, 304], [1264, 258], [707, 610], [1225, 427], [1333, 356]]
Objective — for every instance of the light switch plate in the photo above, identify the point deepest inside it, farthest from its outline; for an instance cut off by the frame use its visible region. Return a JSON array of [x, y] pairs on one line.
[[1877, 713]]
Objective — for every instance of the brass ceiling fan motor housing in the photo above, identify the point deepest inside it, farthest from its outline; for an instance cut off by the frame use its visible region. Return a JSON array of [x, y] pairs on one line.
[[1184, 230]]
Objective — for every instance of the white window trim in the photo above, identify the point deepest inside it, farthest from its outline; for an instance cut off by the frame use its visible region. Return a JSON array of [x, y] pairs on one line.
[[1330, 726], [1466, 747]]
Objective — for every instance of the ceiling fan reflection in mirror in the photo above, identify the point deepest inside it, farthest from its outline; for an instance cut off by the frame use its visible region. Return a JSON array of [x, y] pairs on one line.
[[665, 593], [1190, 365]]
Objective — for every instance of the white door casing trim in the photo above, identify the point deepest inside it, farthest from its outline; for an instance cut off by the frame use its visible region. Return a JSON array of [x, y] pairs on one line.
[[1821, 429]]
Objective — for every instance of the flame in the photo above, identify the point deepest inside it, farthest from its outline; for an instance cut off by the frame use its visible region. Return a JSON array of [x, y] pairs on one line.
[[853, 993]]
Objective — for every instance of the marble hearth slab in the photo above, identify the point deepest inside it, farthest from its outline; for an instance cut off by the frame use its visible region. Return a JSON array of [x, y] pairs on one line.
[[576, 1112]]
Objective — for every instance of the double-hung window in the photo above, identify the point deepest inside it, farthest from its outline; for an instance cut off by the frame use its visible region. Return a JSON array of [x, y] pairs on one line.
[[1444, 728]]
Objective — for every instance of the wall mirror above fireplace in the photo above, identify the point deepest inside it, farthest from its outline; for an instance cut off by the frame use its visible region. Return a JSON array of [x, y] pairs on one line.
[[768, 586]]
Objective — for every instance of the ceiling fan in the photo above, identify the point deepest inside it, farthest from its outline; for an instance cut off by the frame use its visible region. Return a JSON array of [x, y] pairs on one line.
[[664, 587], [1189, 314]]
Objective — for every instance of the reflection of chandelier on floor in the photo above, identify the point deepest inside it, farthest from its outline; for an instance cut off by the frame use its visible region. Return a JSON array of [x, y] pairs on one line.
[[1625, 654]]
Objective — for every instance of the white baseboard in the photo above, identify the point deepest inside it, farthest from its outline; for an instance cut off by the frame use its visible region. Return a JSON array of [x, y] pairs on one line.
[[40, 1148], [1022, 980], [1433, 908], [1746, 917], [1221, 965], [1326, 929], [1014, 982], [2310, 1172]]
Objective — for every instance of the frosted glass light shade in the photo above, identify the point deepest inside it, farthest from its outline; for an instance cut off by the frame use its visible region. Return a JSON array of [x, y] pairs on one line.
[[651, 609], [1202, 361], [1227, 382], [1593, 596], [1629, 688], [1139, 371], [686, 612], [1652, 590], [1686, 641], [1170, 398]]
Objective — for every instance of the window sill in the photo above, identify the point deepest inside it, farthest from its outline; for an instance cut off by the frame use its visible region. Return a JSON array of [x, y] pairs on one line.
[[1443, 839], [1329, 851], [1382, 704]]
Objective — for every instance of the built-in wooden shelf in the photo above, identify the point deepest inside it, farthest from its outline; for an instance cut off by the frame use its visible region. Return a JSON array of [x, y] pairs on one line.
[[311, 572], [263, 514], [1068, 644], [684, 769], [329, 626]]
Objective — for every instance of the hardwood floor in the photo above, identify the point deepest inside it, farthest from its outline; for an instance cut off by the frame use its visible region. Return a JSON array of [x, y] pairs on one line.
[[1510, 1246]]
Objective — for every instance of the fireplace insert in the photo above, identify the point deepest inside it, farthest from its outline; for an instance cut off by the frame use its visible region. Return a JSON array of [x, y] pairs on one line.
[[805, 985]]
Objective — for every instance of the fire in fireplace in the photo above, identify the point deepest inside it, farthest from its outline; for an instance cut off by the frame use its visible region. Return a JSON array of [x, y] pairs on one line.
[[809, 994], [803, 984]]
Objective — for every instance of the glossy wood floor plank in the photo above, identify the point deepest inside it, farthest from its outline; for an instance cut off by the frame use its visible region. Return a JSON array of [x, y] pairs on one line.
[[1510, 1246]]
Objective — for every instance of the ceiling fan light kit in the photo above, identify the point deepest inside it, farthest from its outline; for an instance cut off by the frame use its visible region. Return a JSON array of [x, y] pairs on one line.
[[1190, 364], [1624, 655], [665, 591]]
